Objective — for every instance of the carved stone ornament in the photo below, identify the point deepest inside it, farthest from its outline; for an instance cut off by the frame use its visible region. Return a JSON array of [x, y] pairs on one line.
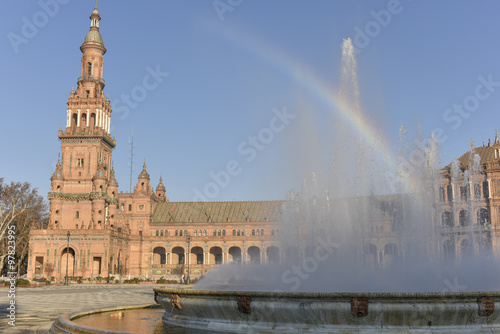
[[176, 301], [244, 304], [486, 306], [359, 307]]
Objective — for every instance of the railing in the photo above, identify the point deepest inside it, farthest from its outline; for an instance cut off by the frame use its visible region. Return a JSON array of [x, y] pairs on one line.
[[462, 229], [91, 78]]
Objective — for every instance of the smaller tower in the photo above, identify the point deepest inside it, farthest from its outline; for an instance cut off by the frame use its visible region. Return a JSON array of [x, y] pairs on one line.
[[143, 185], [160, 191]]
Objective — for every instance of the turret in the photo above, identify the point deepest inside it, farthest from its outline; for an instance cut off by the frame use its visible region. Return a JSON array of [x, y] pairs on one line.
[[143, 185], [160, 191]]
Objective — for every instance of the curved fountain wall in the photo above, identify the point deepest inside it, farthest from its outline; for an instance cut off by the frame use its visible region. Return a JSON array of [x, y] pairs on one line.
[[268, 312]]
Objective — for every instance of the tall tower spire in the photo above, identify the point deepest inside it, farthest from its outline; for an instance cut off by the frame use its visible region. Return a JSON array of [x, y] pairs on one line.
[[86, 145]]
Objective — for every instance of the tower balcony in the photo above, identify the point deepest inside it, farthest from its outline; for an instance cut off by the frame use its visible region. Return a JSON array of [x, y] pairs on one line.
[[78, 133], [91, 78]]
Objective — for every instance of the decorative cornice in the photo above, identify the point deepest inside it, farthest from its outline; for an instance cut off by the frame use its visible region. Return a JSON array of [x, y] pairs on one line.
[[82, 196]]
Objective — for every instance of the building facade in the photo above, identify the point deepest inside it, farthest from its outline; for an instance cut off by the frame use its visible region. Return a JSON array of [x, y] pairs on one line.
[[95, 230], [468, 203]]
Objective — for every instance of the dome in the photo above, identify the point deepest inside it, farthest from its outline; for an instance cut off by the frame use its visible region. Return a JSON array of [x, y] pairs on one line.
[[93, 36]]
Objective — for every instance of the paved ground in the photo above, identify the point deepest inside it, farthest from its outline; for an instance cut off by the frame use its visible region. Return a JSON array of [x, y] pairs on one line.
[[38, 307]]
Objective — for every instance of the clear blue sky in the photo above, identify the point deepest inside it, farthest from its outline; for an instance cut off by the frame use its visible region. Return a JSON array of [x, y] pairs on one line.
[[229, 68]]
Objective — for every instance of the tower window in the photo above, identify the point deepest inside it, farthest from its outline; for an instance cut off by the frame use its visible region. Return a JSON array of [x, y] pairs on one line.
[[88, 93], [79, 162], [77, 214], [130, 207], [89, 69]]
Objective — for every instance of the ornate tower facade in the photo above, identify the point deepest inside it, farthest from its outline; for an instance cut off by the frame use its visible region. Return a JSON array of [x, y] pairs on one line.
[[83, 187]]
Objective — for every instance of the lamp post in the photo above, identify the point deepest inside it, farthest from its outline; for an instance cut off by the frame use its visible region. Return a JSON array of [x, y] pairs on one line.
[[67, 259], [188, 239]]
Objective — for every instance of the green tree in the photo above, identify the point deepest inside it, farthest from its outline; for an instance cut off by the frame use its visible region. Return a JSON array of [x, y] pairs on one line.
[[21, 208]]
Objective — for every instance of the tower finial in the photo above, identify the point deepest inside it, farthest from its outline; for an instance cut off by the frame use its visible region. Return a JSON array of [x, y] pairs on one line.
[[95, 5]]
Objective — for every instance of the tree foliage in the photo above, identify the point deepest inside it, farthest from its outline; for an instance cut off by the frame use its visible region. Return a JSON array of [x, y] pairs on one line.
[[22, 207]]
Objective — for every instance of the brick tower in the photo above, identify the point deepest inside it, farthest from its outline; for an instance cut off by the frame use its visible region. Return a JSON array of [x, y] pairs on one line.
[[81, 194]]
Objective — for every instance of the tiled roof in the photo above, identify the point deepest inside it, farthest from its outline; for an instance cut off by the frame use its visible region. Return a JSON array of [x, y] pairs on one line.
[[486, 153], [217, 212]]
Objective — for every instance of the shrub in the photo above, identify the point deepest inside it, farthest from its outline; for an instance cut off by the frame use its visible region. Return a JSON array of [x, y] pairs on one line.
[[134, 280], [23, 282]]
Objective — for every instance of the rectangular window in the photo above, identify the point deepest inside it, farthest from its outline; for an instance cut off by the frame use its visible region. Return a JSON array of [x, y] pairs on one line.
[[463, 193], [477, 190], [441, 194]]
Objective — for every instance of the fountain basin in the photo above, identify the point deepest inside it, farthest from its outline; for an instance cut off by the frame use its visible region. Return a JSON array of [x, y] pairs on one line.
[[296, 312], [69, 323]]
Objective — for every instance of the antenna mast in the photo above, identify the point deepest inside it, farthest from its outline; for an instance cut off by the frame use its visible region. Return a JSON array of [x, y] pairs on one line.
[[131, 149]]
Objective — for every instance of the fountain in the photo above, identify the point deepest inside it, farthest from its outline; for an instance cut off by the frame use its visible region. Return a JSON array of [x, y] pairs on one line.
[[331, 277]]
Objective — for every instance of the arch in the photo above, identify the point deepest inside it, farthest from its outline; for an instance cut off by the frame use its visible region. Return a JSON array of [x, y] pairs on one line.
[[391, 253], [68, 259], [178, 255], [196, 256], [464, 218], [466, 247], [234, 254], [447, 219], [371, 254], [485, 244], [483, 217], [84, 119], [159, 256], [92, 121], [292, 254], [74, 120], [273, 254], [254, 254], [215, 255], [449, 250]]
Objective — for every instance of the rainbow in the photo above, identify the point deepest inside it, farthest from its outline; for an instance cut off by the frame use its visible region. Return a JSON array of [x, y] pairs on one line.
[[364, 127]]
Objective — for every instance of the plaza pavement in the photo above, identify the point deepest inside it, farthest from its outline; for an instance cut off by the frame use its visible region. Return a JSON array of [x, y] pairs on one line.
[[38, 307]]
